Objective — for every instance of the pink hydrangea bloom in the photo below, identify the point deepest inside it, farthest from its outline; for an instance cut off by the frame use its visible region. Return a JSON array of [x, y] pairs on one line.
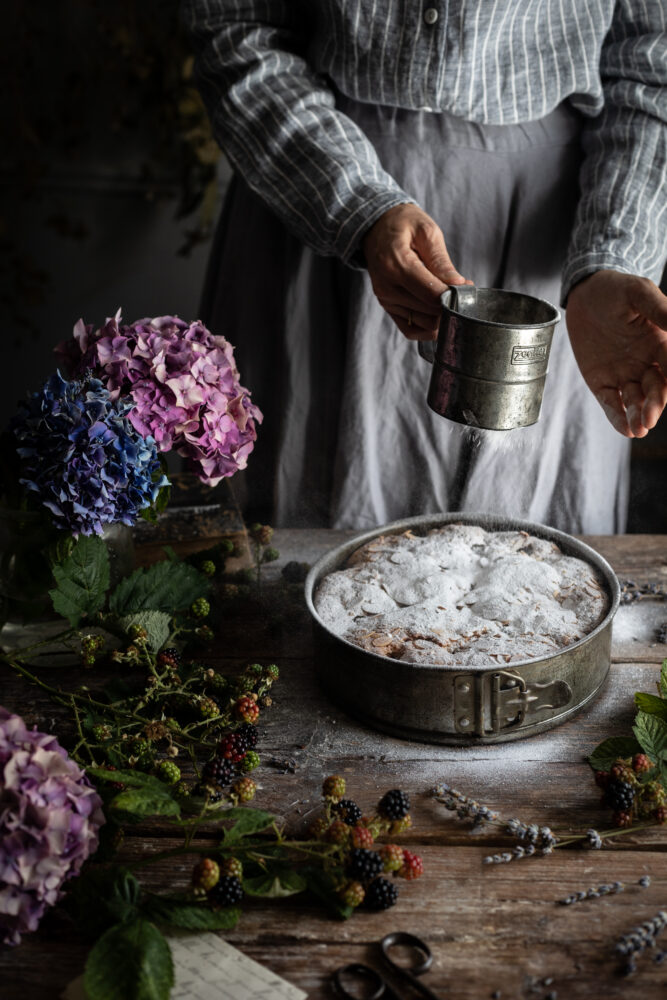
[[49, 819], [184, 383]]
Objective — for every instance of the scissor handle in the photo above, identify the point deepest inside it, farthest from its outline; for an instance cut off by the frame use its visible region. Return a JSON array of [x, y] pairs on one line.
[[364, 972], [390, 941]]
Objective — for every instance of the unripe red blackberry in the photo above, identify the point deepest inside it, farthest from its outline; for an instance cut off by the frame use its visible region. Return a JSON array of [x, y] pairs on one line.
[[261, 533], [338, 832], [205, 874], [168, 772], [232, 748], [247, 709], [641, 763], [622, 819], [621, 770], [392, 857], [394, 804], [169, 657], [361, 836], [602, 778], [381, 894], [352, 894], [245, 789], [660, 814], [334, 787], [318, 828], [231, 866], [412, 866]]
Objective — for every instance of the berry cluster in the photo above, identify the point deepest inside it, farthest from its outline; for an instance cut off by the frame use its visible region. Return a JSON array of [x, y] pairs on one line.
[[631, 792]]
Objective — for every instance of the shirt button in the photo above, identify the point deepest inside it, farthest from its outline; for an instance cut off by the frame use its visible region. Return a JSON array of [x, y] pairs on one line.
[[430, 15]]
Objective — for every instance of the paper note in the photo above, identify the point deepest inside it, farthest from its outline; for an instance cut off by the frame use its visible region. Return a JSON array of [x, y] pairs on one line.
[[207, 968]]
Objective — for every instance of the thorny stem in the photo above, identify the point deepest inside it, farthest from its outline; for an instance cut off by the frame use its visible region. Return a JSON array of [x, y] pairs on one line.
[[250, 848], [82, 739]]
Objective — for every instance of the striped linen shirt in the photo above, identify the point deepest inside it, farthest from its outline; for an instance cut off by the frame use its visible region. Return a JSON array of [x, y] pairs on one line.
[[269, 71]]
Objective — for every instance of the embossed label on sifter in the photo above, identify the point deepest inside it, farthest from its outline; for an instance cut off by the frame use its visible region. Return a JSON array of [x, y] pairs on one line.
[[529, 355]]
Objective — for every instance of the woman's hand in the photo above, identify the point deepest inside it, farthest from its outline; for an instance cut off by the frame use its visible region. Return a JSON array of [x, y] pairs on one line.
[[618, 331], [409, 269]]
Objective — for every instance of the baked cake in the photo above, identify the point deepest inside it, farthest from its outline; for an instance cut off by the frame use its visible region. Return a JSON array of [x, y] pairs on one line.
[[462, 595]]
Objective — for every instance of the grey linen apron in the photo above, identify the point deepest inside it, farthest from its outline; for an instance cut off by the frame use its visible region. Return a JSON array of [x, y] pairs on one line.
[[348, 440]]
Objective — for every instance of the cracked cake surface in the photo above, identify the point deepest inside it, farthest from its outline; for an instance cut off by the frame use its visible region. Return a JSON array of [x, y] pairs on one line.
[[462, 595]]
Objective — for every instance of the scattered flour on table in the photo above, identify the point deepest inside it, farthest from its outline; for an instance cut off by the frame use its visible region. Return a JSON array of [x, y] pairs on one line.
[[462, 595]]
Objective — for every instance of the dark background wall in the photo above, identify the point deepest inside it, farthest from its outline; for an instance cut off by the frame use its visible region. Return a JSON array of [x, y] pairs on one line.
[[110, 186]]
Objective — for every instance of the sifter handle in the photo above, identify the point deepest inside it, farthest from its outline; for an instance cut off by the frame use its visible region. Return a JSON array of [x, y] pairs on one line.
[[458, 298]]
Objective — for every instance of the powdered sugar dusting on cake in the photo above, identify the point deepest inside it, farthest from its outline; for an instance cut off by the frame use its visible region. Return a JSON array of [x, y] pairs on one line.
[[462, 595]]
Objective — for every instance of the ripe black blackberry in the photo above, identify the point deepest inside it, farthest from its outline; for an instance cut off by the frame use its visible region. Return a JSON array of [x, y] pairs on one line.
[[619, 795], [227, 892], [348, 811], [363, 864], [381, 894], [219, 771], [247, 735], [394, 804]]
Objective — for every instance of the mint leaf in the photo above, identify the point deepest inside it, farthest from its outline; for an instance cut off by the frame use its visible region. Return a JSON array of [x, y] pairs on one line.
[[166, 586], [82, 580], [156, 623], [610, 750], [130, 962], [651, 704], [190, 916], [141, 802], [663, 679], [276, 882], [651, 732], [248, 822]]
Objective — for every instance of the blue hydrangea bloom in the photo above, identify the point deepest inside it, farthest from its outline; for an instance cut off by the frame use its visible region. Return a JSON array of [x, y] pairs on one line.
[[82, 457]]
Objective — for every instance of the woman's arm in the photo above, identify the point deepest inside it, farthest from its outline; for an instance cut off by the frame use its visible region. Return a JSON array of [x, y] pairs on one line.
[[276, 120]]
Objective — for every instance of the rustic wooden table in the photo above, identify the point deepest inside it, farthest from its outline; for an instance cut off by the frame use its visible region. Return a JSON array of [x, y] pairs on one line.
[[490, 927]]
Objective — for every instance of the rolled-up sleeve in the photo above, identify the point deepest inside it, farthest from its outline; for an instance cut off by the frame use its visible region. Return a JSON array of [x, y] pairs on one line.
[[622, 213], [276, 121]]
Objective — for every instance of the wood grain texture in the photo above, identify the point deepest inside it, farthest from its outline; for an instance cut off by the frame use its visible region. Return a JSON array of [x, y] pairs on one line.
[[490, 927]]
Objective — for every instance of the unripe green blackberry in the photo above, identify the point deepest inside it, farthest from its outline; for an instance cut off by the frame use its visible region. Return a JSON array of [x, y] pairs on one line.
[[247, 709], [245, 789], [168, 772], [102, 732], [392, 857], [352, 894], [334, 787], [142, 754], [381, 894], [137, 633], [318, 828], [401, 825], [205, 874], [254, 669], [207, 707], [250, 762], [272, 673], [229, 590], [217, 681], [182, 790], [231, 866], [338, 832], [207, 567], [173, 724], [270, 555], [200, 608], [621, 770]]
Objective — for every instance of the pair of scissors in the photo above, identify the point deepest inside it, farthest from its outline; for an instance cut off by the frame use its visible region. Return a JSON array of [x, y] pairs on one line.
[[358, 973]]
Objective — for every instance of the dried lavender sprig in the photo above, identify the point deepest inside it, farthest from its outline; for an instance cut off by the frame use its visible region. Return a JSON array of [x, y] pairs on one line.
[[595, 892], [643, 936]]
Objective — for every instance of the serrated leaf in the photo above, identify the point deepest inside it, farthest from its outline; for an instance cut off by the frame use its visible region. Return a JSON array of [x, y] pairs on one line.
[[191, 917], [651, 704], [610, 750], [651, 732], [130, 962], [135, 779], [141, 802], [156, 623], [165, 586], [247, 822], [82, 580], [323, 885], [275, 883], [101, 897], [663, 679]]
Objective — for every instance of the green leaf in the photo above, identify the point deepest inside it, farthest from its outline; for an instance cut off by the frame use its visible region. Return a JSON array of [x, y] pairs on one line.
[[248, 822], [651, 732], [101, 897], [165, 586], [323, 885], [610, 750], [140, 802], [651, 704], [663, 679], [130, 962], [135, 779], [82, 580], [276, 882], [156, 623], [190, 916]]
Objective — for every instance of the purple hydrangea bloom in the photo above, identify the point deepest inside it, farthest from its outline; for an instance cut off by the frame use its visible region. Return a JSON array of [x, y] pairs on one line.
[[49, 820], [184, 384], [83, 458]]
